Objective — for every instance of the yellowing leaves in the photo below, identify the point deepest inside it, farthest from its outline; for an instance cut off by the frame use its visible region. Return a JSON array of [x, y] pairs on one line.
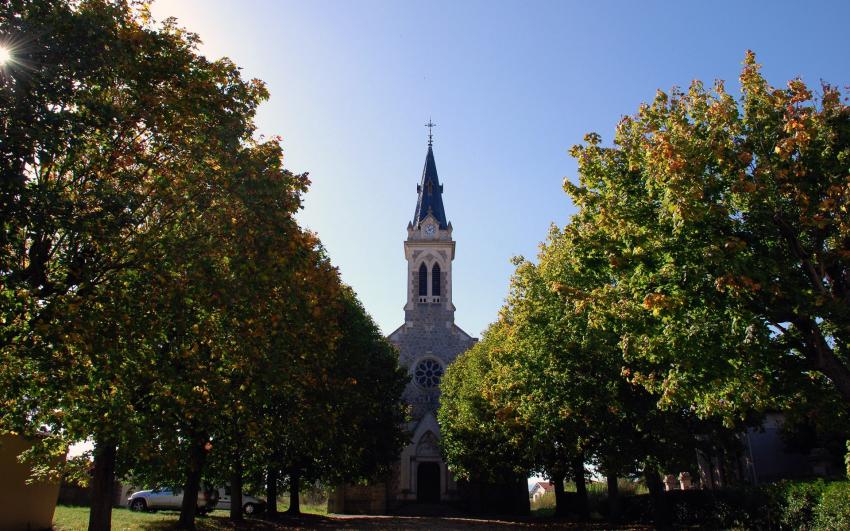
[[657, 302], [799, 91], [737, 284]]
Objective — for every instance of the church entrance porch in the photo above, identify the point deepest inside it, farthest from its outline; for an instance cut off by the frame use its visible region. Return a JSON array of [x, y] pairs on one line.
[[428, 482]]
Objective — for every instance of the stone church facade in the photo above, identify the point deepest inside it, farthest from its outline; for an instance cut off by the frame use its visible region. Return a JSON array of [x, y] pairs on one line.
[[427, 342]]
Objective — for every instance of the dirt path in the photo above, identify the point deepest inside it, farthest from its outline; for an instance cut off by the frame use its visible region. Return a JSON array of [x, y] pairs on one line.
[[427, 522]]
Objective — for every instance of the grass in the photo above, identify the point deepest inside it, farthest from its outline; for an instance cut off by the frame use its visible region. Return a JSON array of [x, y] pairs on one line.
[[307, 508], [67, 518], [597, 491]]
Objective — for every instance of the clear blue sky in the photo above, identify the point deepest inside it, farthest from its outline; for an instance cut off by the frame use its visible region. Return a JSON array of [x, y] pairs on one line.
[[511, 85]]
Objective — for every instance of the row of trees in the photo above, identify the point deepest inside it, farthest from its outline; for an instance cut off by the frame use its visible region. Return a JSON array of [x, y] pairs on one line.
[[704, 280], [158, 298]]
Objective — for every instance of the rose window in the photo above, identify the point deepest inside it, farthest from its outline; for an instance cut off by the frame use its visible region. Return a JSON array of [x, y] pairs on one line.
[[428, 373]]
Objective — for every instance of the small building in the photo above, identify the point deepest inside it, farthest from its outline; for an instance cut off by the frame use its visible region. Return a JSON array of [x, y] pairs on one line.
[[539, 489], [23, 505]]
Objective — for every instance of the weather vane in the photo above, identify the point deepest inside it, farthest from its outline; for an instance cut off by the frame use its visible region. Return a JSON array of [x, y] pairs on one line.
[[430, 125]]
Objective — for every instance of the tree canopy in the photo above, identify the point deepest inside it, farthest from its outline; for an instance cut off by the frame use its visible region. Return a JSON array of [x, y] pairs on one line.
[[702, 282], [726, 227], [158, 296]]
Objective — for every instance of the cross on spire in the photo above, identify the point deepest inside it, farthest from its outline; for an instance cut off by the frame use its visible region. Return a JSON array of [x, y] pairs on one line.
[[430, 125]]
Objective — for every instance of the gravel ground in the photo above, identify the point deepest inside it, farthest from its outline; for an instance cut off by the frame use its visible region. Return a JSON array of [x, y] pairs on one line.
[[427, 522]]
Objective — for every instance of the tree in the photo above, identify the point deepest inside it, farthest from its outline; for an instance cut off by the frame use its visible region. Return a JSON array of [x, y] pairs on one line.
[[125, 155], [364, 389], [477, 439], [235, 277], [726, 225], [547, 389], [344, 416]]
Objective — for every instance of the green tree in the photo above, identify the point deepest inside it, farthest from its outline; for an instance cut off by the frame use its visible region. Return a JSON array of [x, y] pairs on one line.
[[364, 389], [550, 380], [726, 225], [345, 416], [477, 438], [129, 179]]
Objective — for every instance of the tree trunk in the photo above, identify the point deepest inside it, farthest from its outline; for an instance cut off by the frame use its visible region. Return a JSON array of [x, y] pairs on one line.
[[102, 486], [236, 488], [613, 498], [656, 493], [816, 349], [197, 456], [581, 487], [271, 491], [560, 497], [819, 354], [294, 492]]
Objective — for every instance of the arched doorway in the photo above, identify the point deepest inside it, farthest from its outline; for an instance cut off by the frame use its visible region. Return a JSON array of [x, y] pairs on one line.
[[428, 482]]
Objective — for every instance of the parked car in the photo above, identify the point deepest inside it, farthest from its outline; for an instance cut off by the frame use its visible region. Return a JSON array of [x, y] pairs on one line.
[[168, 498], [250, 504]]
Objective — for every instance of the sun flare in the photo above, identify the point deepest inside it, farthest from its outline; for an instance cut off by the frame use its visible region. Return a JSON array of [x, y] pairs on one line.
[[5, 55]]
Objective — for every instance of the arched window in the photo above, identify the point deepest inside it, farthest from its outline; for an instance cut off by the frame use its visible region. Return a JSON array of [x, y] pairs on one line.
[[435, 280], [423, 280]]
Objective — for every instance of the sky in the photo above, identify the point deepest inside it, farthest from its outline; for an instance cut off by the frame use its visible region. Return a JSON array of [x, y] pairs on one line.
[[511, 86]]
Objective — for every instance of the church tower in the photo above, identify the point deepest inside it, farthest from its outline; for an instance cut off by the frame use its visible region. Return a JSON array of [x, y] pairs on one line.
[[429, 251], [428, 340]]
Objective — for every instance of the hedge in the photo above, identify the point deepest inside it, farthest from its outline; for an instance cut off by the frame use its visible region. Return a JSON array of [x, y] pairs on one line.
[[807, 506]]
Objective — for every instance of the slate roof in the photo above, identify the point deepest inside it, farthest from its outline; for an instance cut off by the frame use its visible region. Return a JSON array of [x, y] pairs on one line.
[[430, 192]]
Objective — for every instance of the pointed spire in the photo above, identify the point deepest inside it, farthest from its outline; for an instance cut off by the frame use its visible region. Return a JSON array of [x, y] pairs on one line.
[[430, 200]]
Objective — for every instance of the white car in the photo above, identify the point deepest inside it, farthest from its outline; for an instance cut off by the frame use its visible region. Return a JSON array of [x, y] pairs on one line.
[[250, 504], [167, 498]]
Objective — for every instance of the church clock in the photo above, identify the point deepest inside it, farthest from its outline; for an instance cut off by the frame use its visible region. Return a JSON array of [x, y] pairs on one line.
[[430, 229]]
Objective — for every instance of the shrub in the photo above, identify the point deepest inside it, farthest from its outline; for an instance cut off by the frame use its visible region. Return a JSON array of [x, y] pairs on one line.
[[747, 508], [797, 503], [794, 505], [833, 511], [547, 501]]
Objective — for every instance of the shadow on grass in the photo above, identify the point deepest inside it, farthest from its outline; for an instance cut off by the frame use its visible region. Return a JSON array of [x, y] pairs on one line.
[[76, 519], [312, 521]]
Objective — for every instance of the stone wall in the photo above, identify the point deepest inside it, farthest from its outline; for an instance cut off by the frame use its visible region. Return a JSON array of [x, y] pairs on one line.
[[429, 333], [359, 499]]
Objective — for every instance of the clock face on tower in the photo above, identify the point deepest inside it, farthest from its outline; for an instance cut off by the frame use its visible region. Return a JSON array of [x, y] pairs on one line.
[[430, 229]]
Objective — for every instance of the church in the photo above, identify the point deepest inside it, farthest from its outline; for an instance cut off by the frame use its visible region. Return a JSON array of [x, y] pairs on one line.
[[427, 342]]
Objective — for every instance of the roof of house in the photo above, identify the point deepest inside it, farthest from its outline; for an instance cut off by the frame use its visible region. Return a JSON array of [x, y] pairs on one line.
[[545, 485]]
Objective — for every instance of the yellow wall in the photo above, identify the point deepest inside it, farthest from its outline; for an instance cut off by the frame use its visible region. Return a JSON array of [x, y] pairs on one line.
[[22, 506]]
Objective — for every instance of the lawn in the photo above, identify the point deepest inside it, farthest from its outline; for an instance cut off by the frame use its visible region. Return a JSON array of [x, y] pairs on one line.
[[69, 518], [76, 518]]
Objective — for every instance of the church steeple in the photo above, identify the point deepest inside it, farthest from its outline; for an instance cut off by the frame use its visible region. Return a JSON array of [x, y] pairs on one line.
[[430, 191]]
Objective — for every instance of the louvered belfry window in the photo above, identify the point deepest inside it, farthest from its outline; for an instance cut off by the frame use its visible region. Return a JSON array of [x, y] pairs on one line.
[[423, 280], [435, 280]]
